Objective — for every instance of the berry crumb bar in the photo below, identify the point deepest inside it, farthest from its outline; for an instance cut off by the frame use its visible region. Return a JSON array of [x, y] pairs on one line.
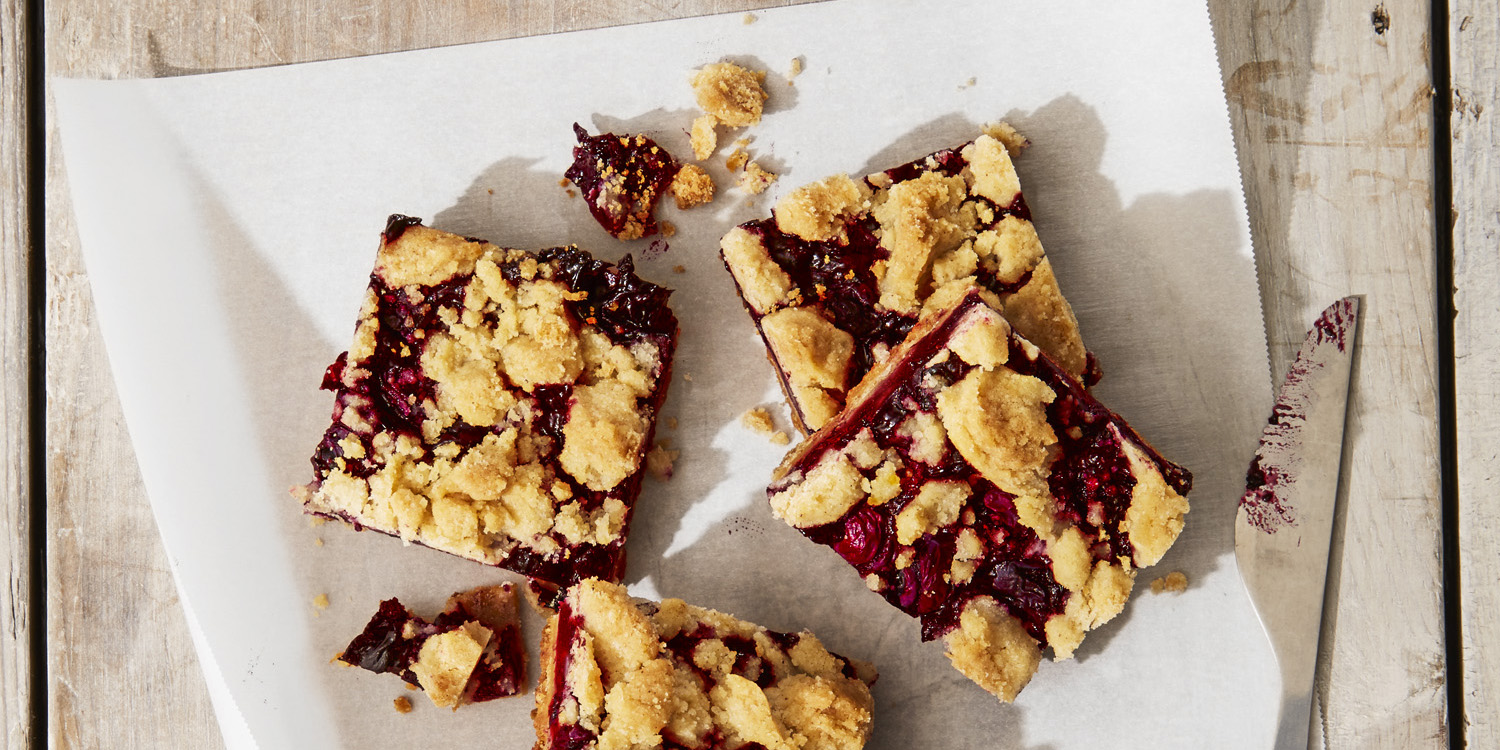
[[975, 484], [835, 279], [496, 404], [619, 672]]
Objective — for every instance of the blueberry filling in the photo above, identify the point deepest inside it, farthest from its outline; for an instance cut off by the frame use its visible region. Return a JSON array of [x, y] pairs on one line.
[[622, 178]]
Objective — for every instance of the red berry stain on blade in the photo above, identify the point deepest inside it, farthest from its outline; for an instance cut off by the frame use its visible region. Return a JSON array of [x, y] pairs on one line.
[[622, 178], [1265, 502]]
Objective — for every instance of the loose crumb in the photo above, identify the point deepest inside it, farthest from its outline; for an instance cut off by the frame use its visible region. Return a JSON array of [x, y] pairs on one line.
[[316, 521], [668, 229], [755, 180], [491, 191], [730, 93], [692, 186], [736, 159], [571, 193], [687, 376], [659, 461], [403, 705], [679, 269], [780, 438], [317, 542], [749, 19], [704, 136], [320, 602], [794, 70], [671, 423], [1174, 582], [563, 183], [410, 687]]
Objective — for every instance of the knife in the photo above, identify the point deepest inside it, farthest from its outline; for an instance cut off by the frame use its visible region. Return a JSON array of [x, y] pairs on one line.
[[1285, 518]]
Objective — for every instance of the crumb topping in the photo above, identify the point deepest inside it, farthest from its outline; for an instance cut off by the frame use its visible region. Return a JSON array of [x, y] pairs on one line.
[[918, 219], [762, 283], [447, 660], [730, 93], [812, 351], [991, 648], [817, 212]]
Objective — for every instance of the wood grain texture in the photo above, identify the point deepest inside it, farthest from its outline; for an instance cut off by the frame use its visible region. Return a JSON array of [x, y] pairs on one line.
[[15, 437], [1474, 59], [1331, 103], [124, 672], [1332, 123]]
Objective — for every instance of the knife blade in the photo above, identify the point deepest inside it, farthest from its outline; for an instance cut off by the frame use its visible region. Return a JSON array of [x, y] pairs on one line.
[[1284, 523]]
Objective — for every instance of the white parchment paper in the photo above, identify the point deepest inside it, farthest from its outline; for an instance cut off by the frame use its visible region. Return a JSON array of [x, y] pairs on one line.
[[229, 223]]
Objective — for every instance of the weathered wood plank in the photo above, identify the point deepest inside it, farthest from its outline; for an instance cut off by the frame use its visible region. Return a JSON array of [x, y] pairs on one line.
[[1474, 35], [1331, 103], [15, 437]]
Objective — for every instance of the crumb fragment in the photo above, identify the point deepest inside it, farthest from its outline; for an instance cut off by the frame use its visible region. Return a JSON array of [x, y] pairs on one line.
[[679, 269], [687, 376], [316, 521], [736, 159], [730, 93], [321, 601], [759, 420], [1008, 136], [749, 19], [659, 461], [780, 438], [794, 70], [1175, 582], [755, 180], [560, 183], [668, 229], [704, 136], [671, 423], [317, 542], [692, 186], [403, 704]]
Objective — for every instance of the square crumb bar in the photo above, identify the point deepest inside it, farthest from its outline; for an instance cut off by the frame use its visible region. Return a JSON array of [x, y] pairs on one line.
[[619, 672], [470, 653], [836, 278], [976, 485], [496, 404]]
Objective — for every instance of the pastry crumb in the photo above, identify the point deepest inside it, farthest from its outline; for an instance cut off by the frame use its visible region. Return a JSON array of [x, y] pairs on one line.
[[736, 159], [679, 269], [321, 601], [780, 438], [571, 193], [563, 182], [755, 180], [749, 19], [692, 186], [1175, 582], [403, 705], [730, 93], [316, 521], [759, 420], [668, 229], [1008, 136], [687, 376], [968, 84], [671, 423], [704, 136], [659, 461], [317, 542], [794, 70]]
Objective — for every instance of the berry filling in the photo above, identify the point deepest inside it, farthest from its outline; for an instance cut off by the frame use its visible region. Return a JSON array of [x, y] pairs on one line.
[[622, 178]]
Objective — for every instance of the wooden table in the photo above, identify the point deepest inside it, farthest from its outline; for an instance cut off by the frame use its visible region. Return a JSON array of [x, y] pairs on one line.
[[1367, 141]]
